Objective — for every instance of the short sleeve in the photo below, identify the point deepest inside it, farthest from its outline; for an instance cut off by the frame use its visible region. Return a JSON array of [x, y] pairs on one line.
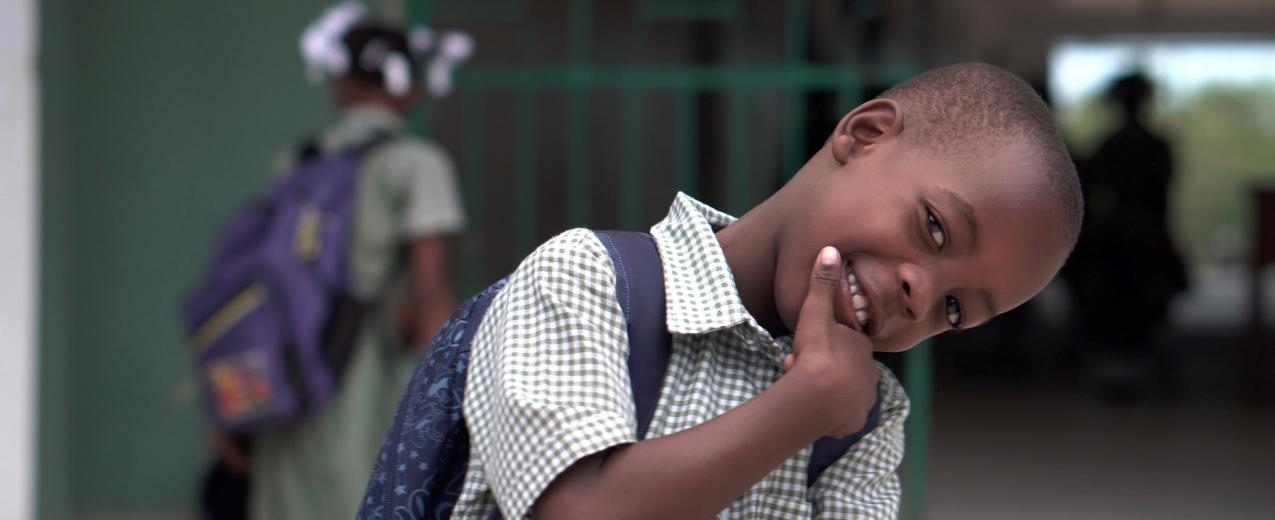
[[548, 384], [426, 179], [863, 483]]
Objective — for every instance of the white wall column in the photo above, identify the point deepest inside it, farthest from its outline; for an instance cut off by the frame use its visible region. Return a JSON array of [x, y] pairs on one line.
[[19, 246]]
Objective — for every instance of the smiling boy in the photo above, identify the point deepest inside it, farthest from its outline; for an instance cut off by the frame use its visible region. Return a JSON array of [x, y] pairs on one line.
[[942, 203]]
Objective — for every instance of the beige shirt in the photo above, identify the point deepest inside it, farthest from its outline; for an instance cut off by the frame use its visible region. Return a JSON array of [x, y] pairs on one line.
[[407, 190]]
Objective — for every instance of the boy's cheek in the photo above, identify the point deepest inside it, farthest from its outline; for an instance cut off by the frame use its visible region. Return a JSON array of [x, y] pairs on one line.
[[789, 295]]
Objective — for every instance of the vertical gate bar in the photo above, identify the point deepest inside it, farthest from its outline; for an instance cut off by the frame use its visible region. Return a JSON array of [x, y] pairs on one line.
[[738, 176], [738, 162], [918, 367], [796, 33], [419, 12], [577, 157], [848, 96], [578, 117], [472, 175], [686, 174], [525, 198], [849, 93], [580, 31], [796, 30], [631, 159], [794, 128]]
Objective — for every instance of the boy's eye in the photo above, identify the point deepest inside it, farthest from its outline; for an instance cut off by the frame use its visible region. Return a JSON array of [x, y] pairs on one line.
[[936, 229], [954, 317]]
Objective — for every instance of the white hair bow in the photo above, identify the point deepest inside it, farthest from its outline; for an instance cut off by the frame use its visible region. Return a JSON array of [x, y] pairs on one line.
[[326, 56], [454, 47], [321, 47]]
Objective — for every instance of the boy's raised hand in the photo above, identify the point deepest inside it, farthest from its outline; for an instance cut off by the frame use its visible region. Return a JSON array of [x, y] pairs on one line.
[[830, 354]]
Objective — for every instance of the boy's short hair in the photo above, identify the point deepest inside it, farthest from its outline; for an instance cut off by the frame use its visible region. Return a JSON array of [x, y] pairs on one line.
[[964, 108]]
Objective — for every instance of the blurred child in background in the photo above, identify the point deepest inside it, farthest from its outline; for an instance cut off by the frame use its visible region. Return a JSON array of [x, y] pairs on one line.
[[405, 209]]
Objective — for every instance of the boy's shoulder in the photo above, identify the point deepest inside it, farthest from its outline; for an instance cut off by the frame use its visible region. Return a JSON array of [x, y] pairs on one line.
[[895, 404], [568, 266], [572, 247]]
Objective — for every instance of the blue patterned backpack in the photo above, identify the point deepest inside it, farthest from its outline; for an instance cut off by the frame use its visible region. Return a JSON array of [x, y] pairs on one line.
[[421, 467]]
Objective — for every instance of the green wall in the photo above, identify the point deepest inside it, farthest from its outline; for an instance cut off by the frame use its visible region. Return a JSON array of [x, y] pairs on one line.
[[157, 116]]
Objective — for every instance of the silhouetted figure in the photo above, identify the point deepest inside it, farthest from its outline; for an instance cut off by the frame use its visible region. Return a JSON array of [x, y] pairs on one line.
[[1125, 270]]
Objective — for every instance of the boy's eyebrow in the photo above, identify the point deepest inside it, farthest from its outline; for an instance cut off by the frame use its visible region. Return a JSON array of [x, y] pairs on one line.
[[966, 211]]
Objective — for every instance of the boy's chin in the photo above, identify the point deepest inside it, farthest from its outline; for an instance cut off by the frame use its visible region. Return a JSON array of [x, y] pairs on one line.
[[889, 349], [895, 346]]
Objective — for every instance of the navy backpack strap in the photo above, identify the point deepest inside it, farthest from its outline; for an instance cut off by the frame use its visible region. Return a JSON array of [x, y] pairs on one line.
[[639, 286], [828, 449]]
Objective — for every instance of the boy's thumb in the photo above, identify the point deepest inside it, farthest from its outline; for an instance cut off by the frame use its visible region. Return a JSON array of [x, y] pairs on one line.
[[824, 279]]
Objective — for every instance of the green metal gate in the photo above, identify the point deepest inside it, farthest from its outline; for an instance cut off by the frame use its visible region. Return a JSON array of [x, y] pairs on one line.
[[793, 78]]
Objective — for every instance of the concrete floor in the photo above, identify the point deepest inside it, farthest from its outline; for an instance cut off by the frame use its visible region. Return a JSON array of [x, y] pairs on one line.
[[1017, 437], [1004, 452]]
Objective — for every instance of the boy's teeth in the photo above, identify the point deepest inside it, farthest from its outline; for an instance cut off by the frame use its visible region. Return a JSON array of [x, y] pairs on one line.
[[859, 301]]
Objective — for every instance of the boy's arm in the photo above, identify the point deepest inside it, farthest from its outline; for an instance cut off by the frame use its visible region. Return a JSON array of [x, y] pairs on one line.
[[863, 483], [698, 472]]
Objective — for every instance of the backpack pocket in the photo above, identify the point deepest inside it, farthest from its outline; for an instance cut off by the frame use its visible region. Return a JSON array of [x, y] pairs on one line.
[[246, 371]]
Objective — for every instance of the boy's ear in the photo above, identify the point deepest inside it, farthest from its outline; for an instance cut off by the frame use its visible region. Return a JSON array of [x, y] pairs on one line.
[[868, 124]]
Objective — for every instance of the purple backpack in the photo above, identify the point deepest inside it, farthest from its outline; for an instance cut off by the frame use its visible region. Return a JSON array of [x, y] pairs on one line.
[[272, 322]]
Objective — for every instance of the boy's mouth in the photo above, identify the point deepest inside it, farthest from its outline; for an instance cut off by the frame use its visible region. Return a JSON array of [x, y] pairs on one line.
[[858, 300]]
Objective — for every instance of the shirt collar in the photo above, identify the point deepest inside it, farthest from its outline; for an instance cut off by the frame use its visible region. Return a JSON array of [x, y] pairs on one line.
[[700, 290], [359, 123]]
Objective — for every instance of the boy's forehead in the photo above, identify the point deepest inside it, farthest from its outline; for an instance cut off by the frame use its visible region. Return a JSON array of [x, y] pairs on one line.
[[1020, 241], [1002, 180], [1002, 201], [1010, 171]]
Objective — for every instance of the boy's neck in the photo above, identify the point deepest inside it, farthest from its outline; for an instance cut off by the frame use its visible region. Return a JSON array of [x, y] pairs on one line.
[[749, 246]]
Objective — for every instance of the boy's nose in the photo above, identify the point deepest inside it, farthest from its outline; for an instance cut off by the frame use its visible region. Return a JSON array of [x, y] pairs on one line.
[[914, 292]]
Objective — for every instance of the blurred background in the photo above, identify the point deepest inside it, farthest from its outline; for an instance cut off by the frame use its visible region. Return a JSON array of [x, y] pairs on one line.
[[1136, 386]]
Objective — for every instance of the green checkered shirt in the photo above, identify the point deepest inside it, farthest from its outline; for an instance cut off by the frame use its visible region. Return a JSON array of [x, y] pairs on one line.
[[548, 382]]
